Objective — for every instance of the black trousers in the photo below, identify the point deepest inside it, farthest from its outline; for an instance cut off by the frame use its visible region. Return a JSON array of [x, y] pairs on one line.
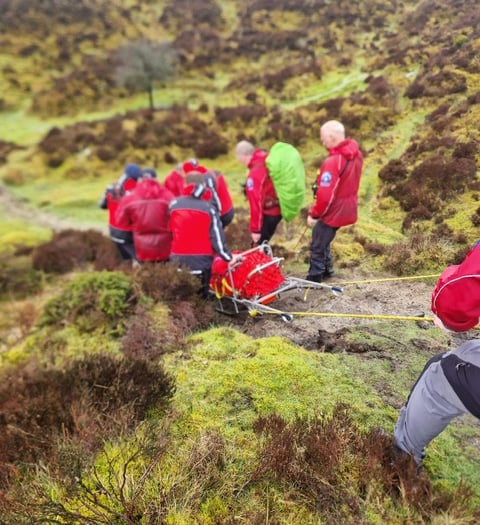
[[269, 225], [320, 256]]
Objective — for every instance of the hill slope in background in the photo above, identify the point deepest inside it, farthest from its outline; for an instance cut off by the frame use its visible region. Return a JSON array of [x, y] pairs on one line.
[[403, 77], [125, 399]]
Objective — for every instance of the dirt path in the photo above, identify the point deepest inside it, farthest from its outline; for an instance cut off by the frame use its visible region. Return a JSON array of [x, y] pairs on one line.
[[16, 208]]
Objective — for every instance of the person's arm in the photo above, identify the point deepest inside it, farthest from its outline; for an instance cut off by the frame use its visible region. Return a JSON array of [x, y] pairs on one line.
[[103, 202], [224, 194], [217, 237], [211, 184], [254, 191], [122, 215], [327, 181]]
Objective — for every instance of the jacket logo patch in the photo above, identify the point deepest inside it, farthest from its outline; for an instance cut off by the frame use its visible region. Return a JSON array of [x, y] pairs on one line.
[[249, 184], [326, 179]]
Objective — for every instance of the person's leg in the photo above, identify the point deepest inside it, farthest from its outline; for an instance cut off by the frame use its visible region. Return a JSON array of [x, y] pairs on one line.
[[269, 225], [431, 406], [129, 248], [205, 280], [329, 271], [124, 251], [320, 257]]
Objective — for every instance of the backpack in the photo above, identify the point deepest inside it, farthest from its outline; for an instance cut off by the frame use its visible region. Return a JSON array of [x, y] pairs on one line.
[[286, 169]]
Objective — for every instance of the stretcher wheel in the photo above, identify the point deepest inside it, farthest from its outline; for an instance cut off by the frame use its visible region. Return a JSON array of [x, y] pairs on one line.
[[287, 318]]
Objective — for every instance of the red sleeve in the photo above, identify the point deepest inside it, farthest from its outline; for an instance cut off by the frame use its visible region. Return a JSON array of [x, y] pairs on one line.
[[174, 182], [456, 297], [327, 180], [254, 191], [224, 194], [122, 213]]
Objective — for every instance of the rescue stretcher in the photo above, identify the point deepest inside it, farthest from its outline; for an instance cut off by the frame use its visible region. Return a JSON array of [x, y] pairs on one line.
[[255, 282]]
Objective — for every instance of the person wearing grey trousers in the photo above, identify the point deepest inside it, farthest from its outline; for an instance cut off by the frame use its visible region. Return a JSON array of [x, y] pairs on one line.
[[449, 385]]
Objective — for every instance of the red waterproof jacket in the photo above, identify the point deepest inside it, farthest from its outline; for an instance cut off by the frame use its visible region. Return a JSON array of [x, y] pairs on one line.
[[111, 199], [260, 191], [146, 212], [221, 188], [175, 182], [197, 232], [338, 180], [456, 297]]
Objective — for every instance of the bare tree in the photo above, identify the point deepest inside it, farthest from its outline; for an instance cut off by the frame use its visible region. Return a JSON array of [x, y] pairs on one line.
[[142, 63]]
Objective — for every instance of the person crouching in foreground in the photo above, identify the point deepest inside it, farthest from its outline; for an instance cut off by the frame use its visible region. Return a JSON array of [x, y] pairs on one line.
[[449, 385], [197, 233]]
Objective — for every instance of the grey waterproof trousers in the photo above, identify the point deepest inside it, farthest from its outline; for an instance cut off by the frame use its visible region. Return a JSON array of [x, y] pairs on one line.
[[431, 406]]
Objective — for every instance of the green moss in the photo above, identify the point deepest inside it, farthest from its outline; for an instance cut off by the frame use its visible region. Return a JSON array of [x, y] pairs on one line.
[[91, 300], [232, 379]]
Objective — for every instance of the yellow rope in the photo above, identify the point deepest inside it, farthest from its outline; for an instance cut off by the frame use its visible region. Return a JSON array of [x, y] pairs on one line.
[[253, 313], [389, 279]]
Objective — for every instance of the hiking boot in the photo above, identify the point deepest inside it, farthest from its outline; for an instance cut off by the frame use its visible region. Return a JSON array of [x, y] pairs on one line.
[[315, 278], [329, 272]]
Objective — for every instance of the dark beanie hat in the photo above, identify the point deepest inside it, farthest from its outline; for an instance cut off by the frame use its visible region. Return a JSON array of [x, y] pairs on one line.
[[133, 171], [150, 172]]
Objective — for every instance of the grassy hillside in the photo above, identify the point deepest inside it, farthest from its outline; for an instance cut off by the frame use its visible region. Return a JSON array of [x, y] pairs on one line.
[[126, 400]]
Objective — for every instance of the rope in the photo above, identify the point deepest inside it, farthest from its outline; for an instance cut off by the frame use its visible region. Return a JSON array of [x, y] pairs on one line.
[[253, 313], [390, 279]]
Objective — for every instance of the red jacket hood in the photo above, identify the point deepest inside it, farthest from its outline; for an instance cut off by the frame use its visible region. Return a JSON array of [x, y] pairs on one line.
[[151, 189], [348, 148], [259, 155]]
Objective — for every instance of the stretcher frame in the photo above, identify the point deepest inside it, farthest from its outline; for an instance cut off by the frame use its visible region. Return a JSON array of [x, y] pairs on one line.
[[257, 305]]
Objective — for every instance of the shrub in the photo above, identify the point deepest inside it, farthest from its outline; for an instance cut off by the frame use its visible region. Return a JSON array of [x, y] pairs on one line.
[[165, 282], [211, 145], [13, 176], [145, 340], [89, 398], [189, 316], [92, 300], [314, 457], [420, 253], [18, 279], [393, 172], [69, 248]]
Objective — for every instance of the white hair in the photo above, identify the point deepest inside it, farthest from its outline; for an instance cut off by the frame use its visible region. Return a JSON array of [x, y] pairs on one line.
[[244, 149]]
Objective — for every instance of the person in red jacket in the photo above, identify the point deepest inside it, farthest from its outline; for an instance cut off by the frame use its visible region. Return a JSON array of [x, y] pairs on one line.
[[121, 235], [175, 181], [456, 297], [197, 233], [265, 213], [449, 385], [146, 212], [215, 181], [336, 200]]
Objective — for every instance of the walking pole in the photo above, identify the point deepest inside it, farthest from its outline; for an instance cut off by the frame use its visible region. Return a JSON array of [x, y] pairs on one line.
[[300, 240]]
